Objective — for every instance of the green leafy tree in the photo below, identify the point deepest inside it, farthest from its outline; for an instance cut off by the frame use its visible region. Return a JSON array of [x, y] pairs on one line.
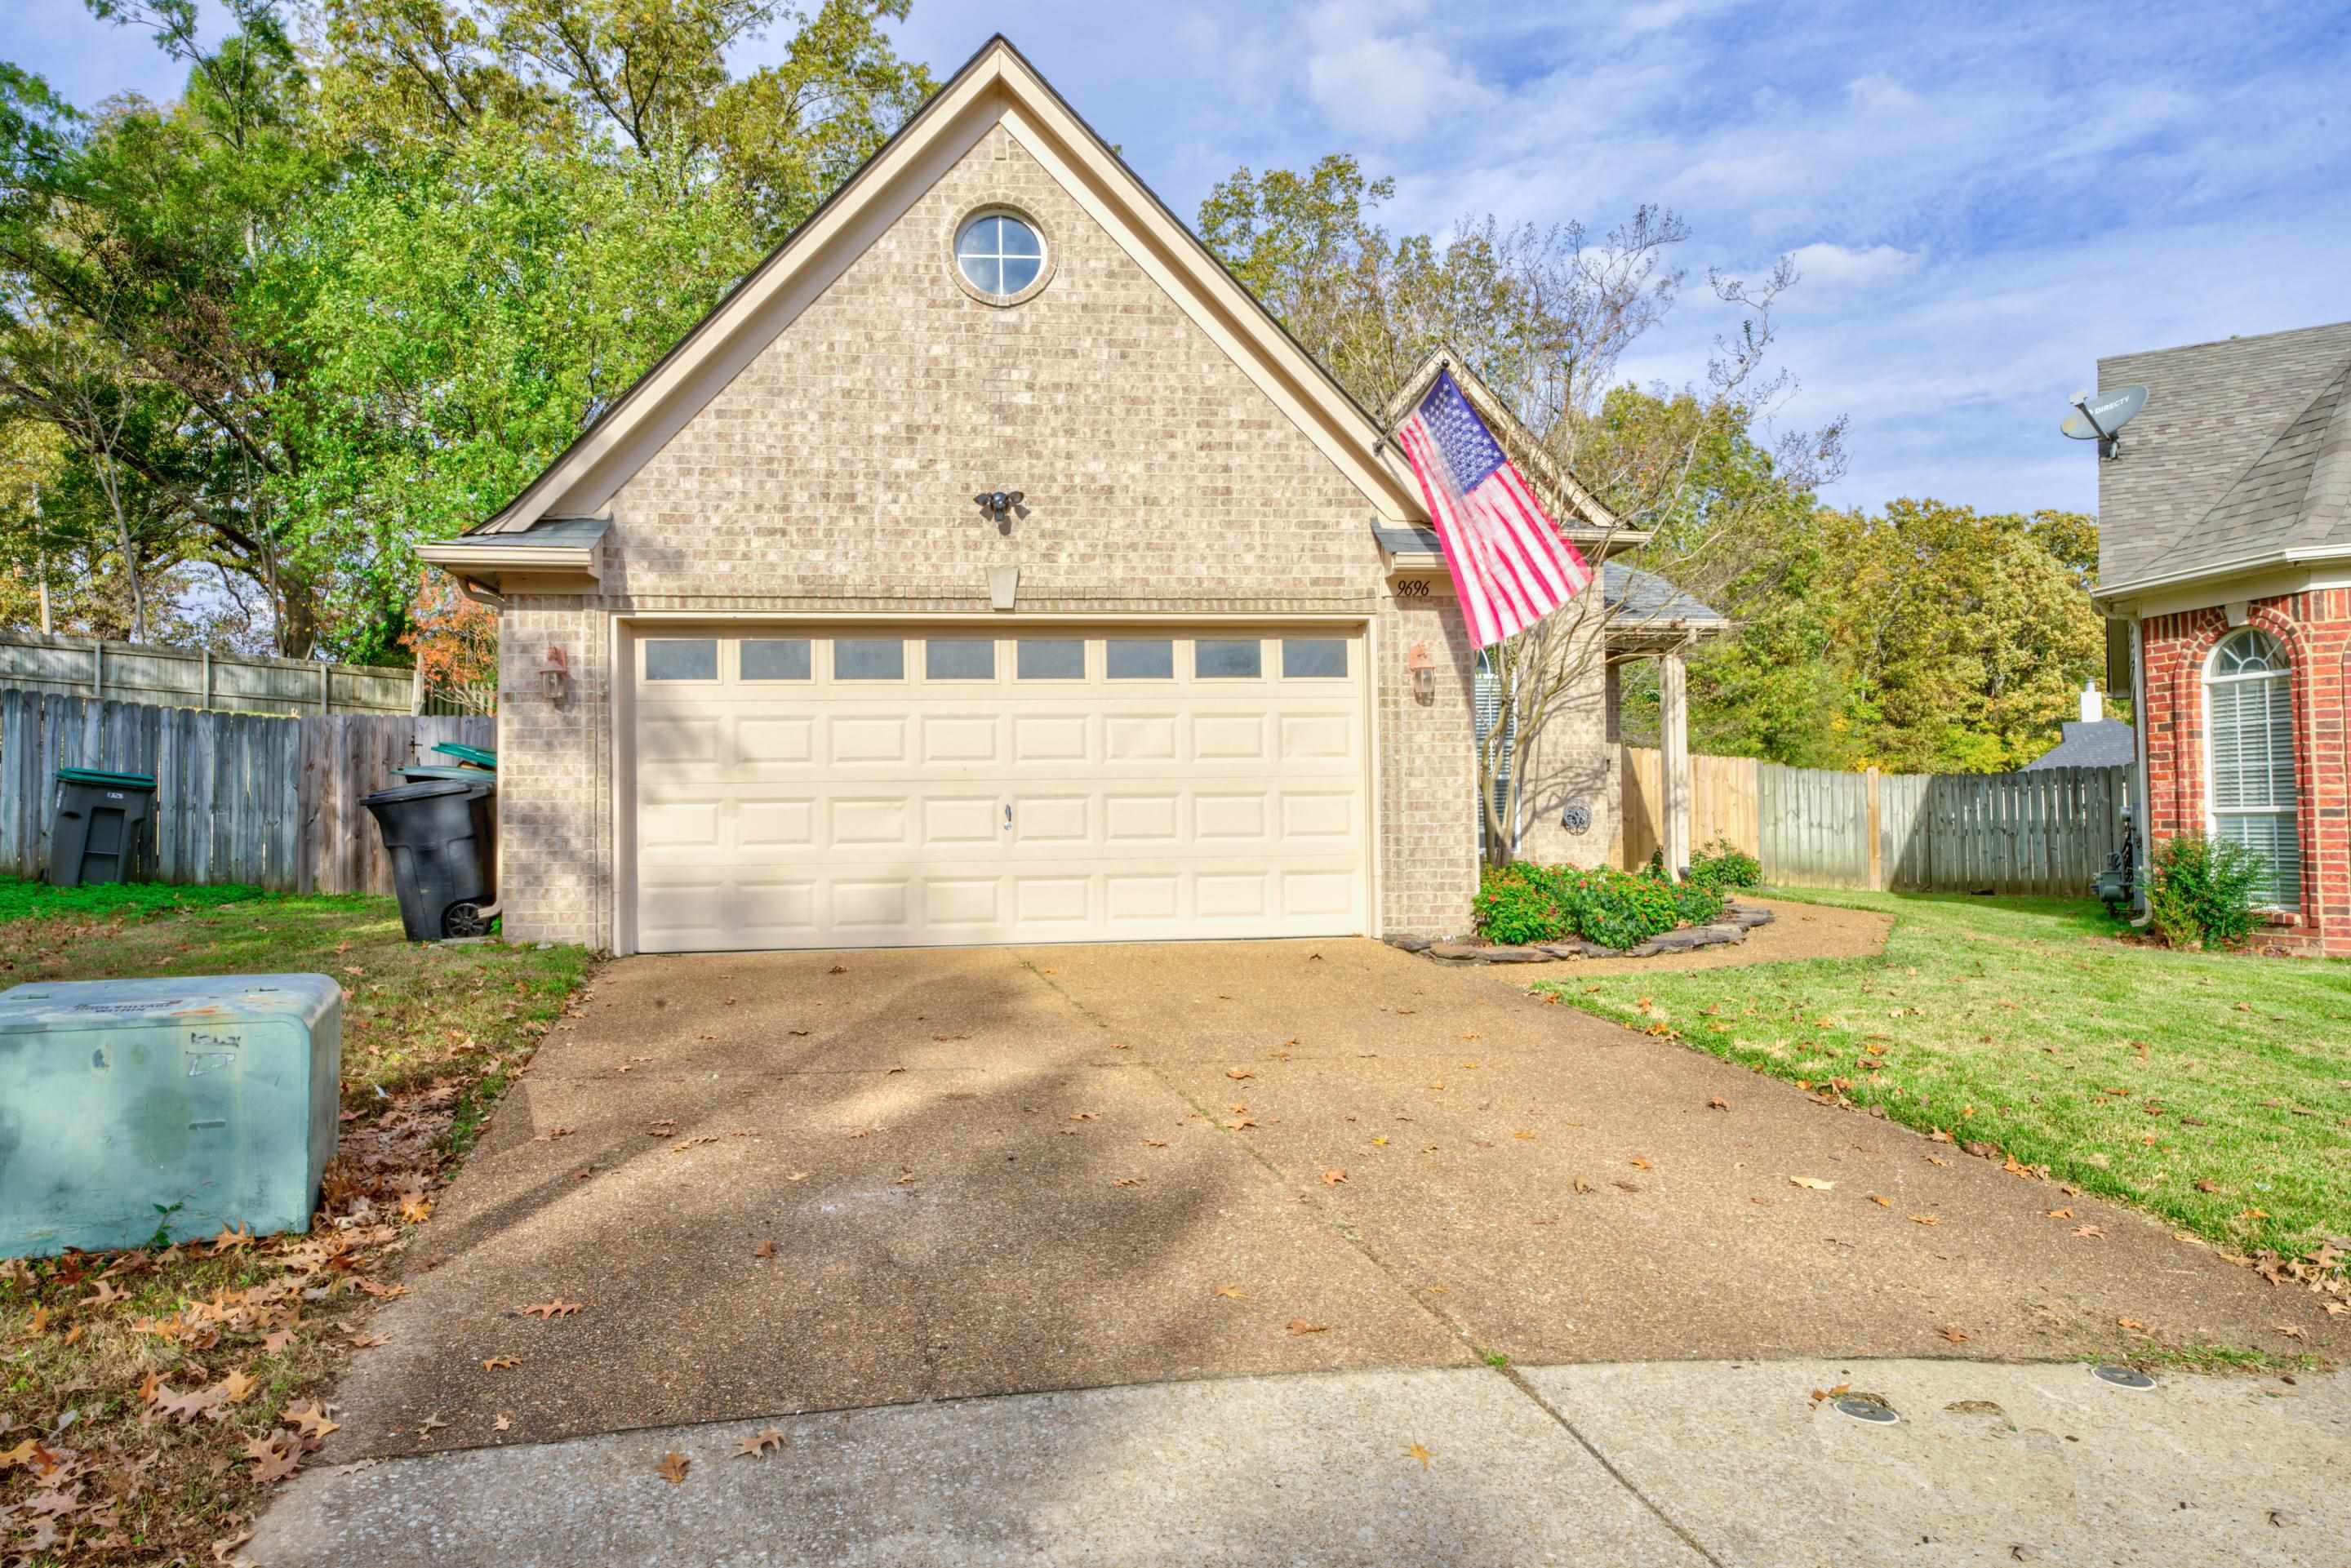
[[367, 283], [1968, 635]]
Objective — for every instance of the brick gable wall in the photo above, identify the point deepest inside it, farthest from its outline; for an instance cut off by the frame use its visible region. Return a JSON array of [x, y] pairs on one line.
[[836, 474], [2314, 628]]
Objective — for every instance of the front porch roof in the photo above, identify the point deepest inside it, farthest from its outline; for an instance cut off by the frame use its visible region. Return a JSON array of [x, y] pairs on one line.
[[1644, 609]]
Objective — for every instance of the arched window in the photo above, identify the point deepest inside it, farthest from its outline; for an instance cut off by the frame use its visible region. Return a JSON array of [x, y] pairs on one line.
[[2248, 692]]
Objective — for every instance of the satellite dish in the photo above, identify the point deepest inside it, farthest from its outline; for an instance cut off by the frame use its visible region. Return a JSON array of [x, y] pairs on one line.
[[2102, 417]]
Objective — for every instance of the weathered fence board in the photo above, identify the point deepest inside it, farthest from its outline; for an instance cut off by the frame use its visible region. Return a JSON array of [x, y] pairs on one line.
[[1814, 826], [239, 797], [144, 672], [1723, 804], [2047, 831]]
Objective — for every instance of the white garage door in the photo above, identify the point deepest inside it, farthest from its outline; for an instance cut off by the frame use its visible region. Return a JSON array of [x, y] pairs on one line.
[[816, 789]]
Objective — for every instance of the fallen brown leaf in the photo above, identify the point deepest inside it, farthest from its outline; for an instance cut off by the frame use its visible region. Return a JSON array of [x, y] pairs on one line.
[[1955, 1333], [757, 1443], [499, 1363], [1299, 1326], [556, 1308], [311, 1419], [1333, 1177], [674, 1466]]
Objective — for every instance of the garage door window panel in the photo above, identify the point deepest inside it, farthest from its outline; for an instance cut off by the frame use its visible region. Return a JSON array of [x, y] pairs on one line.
[[1052, 659], [775, 659], [1141, 659], [682, 659], [959, 659], [1315, 658], [1227, 659], [869, 659]]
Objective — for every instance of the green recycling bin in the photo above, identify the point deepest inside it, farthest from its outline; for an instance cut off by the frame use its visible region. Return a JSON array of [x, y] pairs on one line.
[[102, 825]]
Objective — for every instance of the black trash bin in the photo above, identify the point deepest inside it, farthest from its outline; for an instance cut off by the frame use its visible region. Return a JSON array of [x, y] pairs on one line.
[[443, 835], [101, 832]]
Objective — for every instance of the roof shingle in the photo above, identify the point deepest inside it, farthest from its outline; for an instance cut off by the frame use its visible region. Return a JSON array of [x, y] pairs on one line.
[[2244, 450]]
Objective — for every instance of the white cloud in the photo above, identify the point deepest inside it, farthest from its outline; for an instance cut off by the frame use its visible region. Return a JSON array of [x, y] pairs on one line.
[[1825, 266], [1378, 72], [1881, 95]]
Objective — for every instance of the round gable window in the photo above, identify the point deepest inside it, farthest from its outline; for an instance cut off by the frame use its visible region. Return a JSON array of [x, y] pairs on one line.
[[1000, 257]]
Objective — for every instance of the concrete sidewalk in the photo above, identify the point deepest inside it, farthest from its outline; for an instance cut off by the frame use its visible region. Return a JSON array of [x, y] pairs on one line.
[[1682, 1464]]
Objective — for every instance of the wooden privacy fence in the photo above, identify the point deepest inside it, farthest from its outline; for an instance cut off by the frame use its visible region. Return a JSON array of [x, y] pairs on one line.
[[1723, 804], [2047, 831], [195, 677], [238, 797]]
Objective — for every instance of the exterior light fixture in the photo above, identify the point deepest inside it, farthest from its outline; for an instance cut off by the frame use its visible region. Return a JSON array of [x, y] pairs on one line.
[[1423, 665], [997, 506], [555, 676]]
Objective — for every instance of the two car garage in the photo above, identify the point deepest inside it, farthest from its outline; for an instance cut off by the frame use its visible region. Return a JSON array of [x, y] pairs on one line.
[[842, 785]]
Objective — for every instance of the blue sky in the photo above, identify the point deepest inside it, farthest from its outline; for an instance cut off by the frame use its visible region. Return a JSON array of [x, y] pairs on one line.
[[1982, 198]]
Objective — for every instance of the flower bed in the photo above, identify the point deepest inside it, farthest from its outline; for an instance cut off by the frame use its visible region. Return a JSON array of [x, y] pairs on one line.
[[1523, 904]]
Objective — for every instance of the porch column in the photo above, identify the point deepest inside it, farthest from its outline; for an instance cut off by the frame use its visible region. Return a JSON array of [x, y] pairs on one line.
[[1673, 743]]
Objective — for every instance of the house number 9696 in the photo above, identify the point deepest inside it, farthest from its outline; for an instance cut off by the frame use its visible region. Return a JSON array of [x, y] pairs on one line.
[[1413, 588]]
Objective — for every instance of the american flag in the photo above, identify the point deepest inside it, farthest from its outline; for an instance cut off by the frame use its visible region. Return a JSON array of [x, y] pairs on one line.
[[1511, 566]]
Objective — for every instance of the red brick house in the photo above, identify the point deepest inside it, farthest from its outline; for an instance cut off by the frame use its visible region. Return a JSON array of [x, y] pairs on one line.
[[2225, 552]]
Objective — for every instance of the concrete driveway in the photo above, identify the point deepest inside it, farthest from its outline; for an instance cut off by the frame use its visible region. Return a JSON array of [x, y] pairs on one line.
[[787, 1182]]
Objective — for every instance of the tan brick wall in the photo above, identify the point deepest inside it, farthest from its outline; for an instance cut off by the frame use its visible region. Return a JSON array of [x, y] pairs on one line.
[[555, 775], [836, 473], [1574, 758]]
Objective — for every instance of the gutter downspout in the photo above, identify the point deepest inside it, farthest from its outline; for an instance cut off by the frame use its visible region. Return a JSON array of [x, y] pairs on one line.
[[2140, 820]]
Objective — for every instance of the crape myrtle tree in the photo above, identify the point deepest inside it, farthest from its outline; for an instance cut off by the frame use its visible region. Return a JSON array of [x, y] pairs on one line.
[[1543, 315], [381, 260]]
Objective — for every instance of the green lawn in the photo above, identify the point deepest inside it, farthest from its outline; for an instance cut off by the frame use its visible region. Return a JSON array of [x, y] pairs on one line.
[[2214, 1090], [263, 1326]]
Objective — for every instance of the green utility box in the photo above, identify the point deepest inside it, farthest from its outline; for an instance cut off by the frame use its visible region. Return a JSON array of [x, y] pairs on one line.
[[189, 1104]]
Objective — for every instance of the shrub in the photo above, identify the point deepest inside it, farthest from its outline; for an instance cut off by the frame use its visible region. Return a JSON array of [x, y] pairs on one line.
[[1723, 864], [1521, 903], [2199, 892], [1515, 906], [1698, 902]]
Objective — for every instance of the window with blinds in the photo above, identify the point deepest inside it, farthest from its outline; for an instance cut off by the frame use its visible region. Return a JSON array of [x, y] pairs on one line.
[[1486, 694], [2248, 713]]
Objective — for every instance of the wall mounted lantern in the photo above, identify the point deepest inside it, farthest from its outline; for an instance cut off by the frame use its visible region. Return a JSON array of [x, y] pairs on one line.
[[555, 676], [1423, 665]]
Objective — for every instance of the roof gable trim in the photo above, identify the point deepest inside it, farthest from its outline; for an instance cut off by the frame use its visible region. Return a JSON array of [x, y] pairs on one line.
[[996, 87]]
